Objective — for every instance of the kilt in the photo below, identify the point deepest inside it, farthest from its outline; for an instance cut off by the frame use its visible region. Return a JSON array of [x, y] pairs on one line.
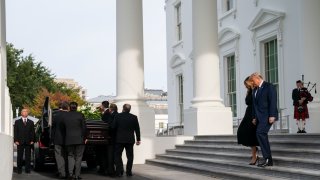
[[304, 114]]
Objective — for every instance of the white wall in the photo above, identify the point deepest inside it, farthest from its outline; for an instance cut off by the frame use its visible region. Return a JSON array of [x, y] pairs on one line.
[[179, 56], [310, 46], [6, 157], [159, 146]]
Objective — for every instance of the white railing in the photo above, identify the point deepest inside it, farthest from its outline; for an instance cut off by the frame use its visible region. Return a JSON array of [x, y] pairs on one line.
[[172, 129], [280, 126]]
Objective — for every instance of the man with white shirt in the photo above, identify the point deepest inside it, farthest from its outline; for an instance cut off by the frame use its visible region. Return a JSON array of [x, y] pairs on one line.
[[24, 137], [265, 113]]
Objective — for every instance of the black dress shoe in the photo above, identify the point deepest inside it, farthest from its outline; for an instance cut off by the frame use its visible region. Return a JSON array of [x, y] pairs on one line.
[[265, 162], [303, 131], [100, 171], [62, 177], [111, 174], [118, 175], [129, 173]]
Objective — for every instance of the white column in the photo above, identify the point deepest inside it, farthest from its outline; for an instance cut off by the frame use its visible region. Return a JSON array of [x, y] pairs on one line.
[[208, 114], [130, 72], [3, 64], [6, 139], [130, 65]]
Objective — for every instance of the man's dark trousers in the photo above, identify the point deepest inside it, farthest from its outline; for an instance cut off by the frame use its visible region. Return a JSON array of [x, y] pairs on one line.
[[118, 157], [60, 155], [20, 150], [110, 159], [102, 158], [262, 136], [75, 153]]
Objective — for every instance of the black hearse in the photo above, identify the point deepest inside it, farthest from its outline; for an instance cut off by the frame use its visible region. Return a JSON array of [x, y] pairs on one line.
[[96, 133]]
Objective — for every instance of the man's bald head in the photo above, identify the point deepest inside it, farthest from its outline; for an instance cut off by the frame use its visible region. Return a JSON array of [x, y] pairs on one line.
[[126, 108]]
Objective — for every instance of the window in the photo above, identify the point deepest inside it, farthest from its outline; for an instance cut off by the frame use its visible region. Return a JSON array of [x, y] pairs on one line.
[[228, 5], [180, 98], [178, 21], [161, 125], [232, 89], [271, 63]]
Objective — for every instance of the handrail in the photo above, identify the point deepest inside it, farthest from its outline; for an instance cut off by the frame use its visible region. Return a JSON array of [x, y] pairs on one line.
[[172, 129], [280, 126]]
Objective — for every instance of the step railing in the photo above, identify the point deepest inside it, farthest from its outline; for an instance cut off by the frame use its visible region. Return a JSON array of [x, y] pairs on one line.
[[280, 126], [172, 129]]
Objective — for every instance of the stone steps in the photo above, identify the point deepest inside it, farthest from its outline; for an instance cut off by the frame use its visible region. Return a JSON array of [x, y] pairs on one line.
[[276, 151], [207, 170], [295, 157], [271, 137], [290, 162], [280, 143]]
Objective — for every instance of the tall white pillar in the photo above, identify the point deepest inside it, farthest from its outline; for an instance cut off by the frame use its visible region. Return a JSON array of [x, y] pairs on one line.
[[208, 114], [130, 72], [3, 64], [6, 140]]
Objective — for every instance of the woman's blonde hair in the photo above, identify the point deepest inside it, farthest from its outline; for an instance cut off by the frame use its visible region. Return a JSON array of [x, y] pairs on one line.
[[248, 83]]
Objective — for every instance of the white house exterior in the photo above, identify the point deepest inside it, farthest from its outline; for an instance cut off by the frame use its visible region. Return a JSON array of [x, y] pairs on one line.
[[278, 38], [212, 47]]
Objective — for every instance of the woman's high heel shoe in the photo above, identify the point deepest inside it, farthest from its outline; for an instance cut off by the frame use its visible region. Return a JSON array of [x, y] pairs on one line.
[[255, 162]]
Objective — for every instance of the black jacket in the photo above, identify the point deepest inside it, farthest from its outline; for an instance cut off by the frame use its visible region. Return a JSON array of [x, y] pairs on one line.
[[24, 134], [106, 116], [125, 125], [295, 96], [110, 122], [298, 94], [58, 129], [75, 126]]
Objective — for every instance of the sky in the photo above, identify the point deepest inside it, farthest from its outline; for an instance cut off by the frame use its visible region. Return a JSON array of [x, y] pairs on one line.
[[77, 39]]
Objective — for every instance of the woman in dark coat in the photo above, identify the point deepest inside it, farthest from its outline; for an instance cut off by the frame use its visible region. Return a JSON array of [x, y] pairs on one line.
[[247, 129]]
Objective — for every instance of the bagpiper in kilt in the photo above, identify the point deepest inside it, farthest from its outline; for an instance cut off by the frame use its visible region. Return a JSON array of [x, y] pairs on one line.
[[301, 97]]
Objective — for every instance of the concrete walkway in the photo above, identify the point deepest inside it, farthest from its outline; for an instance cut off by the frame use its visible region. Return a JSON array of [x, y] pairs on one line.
[[160, 173], [141, 172]]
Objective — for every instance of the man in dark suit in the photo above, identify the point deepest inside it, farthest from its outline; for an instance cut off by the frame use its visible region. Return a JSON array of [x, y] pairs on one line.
[[265, 113], [102, 150], [58, 137], [105, 111], [113, 111], [125, 126], [24, 137], [74, 123]]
